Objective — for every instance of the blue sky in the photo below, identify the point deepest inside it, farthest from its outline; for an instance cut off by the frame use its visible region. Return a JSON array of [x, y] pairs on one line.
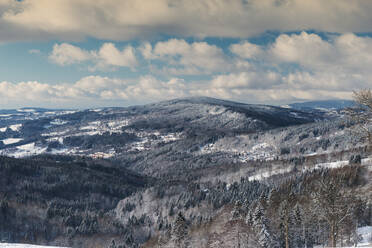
[[80, 53]]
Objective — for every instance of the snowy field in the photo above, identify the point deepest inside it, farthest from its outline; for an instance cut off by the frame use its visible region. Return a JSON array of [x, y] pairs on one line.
[[10, 141], [365, 235], [7, 245]]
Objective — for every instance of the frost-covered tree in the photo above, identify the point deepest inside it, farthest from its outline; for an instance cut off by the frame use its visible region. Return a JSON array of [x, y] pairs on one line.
[[113, 244], [333, 205], [286, 221], [164, 239], [361, 113], [260, 225], [180, 231], [299, 229], [4, 208], [237, 212]]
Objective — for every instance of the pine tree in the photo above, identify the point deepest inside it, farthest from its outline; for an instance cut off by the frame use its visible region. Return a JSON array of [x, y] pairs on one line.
[[113, 244], [260, 224], [4, 209], [163, 239], [284, 213], [180, 231], [299, 232], [237, 212]]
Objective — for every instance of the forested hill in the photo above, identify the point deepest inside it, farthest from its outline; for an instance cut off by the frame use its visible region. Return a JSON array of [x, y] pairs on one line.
[[43, 200], [113, 131]]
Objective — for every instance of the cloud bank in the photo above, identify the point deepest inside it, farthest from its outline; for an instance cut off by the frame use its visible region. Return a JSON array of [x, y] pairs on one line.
[[294, 67], [108, 56], [132, 19]]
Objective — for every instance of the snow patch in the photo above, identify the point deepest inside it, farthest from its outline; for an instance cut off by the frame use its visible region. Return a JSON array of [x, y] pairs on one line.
[[331, 165], [267, 174], [100, 127], [15, 127], [25, 150], [101, 155], [58, 122], [68, 112], [8, 245], [11, 141], [147, 140], [338, 164], [365, 233], [260, 146], [60, 151], [26, 110], [262, 151], [216, 111], [59, 139], [285, 106], [54, 133]]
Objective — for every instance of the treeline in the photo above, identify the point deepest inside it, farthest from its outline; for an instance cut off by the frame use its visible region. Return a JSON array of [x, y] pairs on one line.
[[323, 207], [64, 201]]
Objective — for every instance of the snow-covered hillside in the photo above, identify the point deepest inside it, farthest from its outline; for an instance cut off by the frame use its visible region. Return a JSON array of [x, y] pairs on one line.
[[110, 131], [301, 140], [7, 245]]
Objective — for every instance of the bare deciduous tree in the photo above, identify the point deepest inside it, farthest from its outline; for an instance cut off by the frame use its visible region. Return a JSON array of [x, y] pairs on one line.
[[333, 205], [361, 113]]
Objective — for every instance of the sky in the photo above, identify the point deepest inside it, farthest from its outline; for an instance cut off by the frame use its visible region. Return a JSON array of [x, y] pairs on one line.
[[85, 54]]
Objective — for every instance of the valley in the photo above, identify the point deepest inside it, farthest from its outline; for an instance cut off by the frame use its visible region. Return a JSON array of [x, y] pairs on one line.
[[121, 177]]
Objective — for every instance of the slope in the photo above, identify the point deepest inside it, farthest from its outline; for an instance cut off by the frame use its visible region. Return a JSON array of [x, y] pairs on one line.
[[45, 200]]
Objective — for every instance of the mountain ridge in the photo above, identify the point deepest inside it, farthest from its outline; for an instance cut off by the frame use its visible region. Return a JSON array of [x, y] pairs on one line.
[[82, 132], [336, 104]]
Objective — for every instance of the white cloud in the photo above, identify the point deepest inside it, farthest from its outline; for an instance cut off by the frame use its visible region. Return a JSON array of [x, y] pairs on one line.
[[343, 61], [329, 81], [246, 50], [354, 52], [90, 91], [306, 49], [131, 19], [104, 91], [176, 56], [172, 47], [146, 50], [110, 55], [293, 67], [251, 79], [66, 54], [346, 51], [298, 66], [107, 56], [185, 58]]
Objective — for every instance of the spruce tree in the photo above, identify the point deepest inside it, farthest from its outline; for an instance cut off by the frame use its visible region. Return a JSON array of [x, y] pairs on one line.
[[260, 225], [180, 231], [285, 221]]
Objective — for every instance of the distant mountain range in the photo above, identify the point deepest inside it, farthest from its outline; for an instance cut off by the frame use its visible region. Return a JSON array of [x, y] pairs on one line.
[[112, 132], [322, 105]]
